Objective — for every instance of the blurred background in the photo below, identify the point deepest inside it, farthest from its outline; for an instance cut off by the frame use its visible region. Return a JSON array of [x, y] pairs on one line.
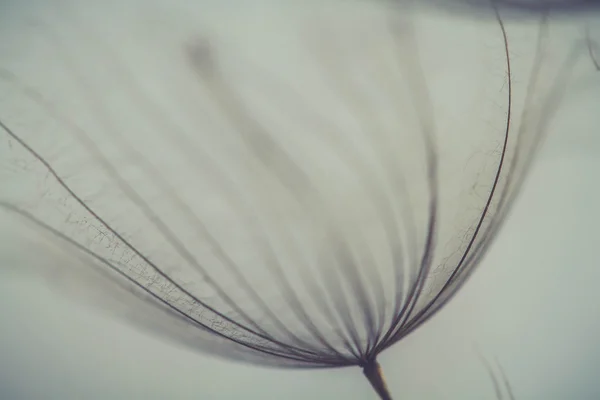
[[533, 304]]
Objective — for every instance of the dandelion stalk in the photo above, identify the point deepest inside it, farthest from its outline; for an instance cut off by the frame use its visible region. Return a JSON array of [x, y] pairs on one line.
[[374, 373]]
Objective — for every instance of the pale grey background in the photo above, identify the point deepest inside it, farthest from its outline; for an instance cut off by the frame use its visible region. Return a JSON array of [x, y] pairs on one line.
[[534, 304]]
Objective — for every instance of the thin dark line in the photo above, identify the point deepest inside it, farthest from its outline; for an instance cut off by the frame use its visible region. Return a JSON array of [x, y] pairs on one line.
[[493, 377], [590, 45], [506, 381]]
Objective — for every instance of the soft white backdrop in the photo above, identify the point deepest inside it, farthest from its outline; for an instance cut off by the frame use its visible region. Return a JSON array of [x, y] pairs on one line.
[[533, 304]]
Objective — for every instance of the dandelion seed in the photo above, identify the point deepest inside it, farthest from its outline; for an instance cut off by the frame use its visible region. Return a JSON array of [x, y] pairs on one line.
[[302, 223]]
